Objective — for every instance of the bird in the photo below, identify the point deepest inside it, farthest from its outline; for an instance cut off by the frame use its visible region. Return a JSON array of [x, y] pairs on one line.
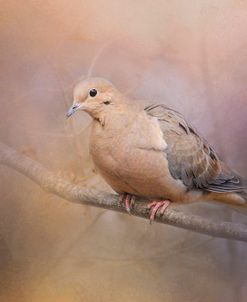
[[152, 152]]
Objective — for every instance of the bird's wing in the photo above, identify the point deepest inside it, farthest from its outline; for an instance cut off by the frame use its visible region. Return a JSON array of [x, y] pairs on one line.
[[190, 158]]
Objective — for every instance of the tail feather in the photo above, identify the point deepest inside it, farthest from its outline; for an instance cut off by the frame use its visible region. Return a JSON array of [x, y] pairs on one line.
[[244, 195], [241, 208], [228, 181], [236, 200]]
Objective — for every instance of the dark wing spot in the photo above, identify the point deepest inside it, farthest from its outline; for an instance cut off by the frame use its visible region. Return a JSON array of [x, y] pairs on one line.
[[184, 128], [192, 131], [211, 154]]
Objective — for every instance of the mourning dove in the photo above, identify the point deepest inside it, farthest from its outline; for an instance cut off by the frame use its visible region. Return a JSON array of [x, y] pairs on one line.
[[152, 152]]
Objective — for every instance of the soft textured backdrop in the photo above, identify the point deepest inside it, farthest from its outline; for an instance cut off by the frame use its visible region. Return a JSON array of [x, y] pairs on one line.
[[190, 55]]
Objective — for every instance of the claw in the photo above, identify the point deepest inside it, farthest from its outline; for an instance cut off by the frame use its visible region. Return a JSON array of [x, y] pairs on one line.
[[132, 201], [155, 206], [128, 200]]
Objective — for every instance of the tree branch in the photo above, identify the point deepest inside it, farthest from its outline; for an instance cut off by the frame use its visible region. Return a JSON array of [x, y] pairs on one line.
[[49, 182]]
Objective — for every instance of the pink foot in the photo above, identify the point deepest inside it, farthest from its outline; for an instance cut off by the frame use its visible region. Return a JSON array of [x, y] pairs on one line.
[[155, 206], [128, 200]]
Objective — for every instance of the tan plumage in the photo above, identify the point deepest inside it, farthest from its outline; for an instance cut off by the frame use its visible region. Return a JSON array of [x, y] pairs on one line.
[[152, 152]]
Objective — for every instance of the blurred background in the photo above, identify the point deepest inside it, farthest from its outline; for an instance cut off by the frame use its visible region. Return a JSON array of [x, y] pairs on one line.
[[188, 55]]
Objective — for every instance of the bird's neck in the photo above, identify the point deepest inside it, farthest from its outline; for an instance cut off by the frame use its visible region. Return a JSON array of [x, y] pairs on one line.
[[104, 124], [119, 119]]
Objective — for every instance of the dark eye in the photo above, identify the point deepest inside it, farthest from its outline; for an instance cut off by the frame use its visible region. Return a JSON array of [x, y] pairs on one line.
[[93, 92], [107, 102]]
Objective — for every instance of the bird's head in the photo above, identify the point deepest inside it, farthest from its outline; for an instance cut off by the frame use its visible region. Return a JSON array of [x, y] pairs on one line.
[[96, 96]]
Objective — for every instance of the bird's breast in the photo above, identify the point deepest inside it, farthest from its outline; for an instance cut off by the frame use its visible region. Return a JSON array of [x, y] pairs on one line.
[[134, 166]]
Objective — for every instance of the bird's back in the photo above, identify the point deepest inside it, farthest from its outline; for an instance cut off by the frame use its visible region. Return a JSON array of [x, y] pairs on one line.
[[191, 158]]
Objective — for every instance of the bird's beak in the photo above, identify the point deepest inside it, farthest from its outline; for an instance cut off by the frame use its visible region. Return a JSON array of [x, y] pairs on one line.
[[73, 109]]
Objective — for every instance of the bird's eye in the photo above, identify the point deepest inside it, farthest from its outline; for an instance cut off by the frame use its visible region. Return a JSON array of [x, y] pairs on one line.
[[93, 92]]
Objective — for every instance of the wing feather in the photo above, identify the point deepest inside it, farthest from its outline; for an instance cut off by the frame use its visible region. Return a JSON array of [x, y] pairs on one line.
[[190, 158]]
